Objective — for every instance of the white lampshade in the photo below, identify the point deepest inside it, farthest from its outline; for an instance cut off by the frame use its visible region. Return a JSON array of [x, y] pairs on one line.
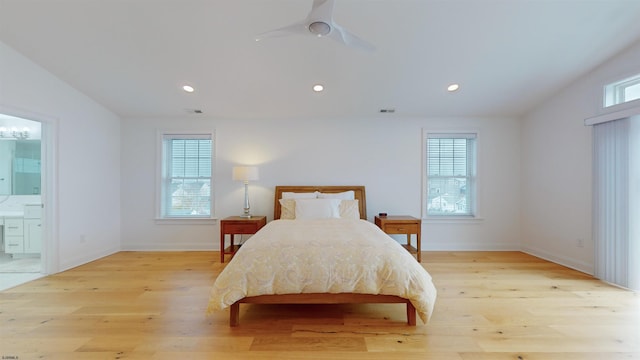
[[245, 173]]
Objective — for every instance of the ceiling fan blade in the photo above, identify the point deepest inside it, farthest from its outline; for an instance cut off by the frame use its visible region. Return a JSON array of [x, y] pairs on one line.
[[299, 28], [321, 10], [319, 22], [344, 36]]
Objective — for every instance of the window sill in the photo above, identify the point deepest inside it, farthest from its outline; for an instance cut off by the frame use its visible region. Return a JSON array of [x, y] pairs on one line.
[[186, 221], [452, 220]]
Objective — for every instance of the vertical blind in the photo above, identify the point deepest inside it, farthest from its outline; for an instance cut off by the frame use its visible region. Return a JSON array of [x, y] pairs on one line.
[[616, 199]]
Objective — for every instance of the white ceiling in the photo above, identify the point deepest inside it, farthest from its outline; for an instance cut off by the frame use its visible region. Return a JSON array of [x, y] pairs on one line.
[[132, 56]]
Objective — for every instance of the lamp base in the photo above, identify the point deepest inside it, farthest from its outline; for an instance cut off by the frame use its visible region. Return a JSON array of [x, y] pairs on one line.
[[247, 213], [247, 207]]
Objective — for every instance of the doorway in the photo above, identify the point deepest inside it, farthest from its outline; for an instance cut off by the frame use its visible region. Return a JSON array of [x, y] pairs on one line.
[[21, 217]]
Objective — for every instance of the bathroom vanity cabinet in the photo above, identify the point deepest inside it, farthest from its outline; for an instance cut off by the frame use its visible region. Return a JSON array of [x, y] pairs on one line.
[[23, 234]]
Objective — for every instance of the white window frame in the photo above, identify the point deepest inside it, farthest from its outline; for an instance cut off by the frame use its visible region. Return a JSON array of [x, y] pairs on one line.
[[472, 186], [161, 185], [614, 93]]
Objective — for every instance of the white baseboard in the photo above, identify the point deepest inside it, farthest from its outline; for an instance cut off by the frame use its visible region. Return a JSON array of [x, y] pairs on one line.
[[561, 260], [86, 258], [468, 247], [169, 247]]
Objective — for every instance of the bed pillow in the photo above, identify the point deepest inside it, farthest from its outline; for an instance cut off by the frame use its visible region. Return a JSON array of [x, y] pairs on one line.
[[317, 208], [349, 209], [287, 209], [295, 195], [346, 195]]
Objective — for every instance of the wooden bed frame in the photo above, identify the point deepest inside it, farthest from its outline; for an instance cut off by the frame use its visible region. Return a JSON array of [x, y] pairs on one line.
[[321, 298]]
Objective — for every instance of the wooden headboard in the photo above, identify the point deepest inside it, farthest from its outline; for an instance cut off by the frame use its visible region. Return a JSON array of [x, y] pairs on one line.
[[358, 191]]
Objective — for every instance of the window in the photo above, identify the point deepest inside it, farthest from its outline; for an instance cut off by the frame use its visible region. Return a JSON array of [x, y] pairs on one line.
[[622, 91], [186, 174], [450, 174]]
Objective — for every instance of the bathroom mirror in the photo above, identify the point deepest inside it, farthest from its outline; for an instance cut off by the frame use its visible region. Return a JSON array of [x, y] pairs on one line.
[[20, 167]]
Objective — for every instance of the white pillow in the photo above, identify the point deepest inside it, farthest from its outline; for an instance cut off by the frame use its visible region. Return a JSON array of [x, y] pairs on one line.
[[294, 195], [349, 209], [347, 195], [317, 208]]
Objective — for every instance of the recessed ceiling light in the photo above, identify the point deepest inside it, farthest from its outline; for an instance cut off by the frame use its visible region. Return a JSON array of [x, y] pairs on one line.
[[188, 88], [453, 87], [318, 87]]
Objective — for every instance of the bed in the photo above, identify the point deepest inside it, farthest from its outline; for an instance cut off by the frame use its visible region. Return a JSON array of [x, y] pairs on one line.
[[305, 258]]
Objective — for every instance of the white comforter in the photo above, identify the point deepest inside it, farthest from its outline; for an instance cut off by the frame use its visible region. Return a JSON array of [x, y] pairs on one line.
[[323, 256]]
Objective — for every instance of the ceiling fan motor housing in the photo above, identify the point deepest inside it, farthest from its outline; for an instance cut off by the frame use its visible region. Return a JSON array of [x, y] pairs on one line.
[[320, 28]]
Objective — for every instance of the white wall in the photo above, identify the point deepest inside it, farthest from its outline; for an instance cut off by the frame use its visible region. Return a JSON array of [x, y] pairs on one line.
[[87, 171], [557, 175], [105, 197], [382, 153]]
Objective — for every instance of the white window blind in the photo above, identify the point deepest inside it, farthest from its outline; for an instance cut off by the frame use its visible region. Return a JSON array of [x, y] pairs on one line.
[[187, 163], [616, 201], [451, 174]]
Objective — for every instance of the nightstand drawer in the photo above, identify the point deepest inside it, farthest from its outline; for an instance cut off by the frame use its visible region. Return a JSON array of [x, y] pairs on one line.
[[250, 228], [400, 228]]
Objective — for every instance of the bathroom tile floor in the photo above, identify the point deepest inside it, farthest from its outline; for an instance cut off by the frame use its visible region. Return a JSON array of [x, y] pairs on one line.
[[14, 272]]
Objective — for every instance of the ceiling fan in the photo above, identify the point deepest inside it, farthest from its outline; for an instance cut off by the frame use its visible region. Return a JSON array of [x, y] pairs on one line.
[[319, 22]]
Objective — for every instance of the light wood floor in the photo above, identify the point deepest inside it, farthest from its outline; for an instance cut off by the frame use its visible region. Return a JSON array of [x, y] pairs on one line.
[[150, 305]]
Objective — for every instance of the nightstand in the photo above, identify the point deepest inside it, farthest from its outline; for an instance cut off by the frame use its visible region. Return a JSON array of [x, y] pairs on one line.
[[402, 225], [237, 225]]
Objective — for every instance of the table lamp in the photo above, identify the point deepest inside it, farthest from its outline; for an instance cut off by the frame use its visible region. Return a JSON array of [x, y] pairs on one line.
[[245, 174]]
